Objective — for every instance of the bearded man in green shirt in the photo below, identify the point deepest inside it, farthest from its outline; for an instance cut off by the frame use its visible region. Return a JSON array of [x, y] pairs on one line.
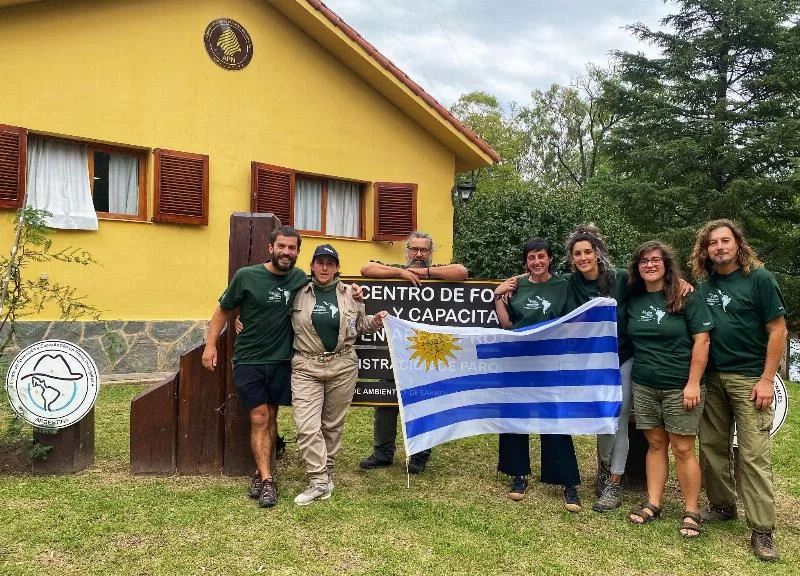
[[746, 347], [264, 294]]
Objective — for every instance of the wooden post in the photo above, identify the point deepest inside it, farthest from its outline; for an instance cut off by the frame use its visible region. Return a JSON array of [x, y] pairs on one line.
[[247, 246], [72, 448], [201, 398], [192, 422], [154, 430]]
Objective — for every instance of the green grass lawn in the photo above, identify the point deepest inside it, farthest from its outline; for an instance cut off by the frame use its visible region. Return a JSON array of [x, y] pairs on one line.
[[453, 519]]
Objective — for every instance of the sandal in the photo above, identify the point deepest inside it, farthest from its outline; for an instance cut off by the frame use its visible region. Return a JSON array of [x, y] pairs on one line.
[[656, 514], [689, 525]]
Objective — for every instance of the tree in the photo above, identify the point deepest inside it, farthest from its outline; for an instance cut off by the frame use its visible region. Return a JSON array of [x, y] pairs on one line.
[[566, 128], [499, 126], [22, 296], [712, 126], [529, 193]]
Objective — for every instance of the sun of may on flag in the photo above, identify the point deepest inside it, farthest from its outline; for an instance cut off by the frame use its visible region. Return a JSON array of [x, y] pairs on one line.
[[557, 377]]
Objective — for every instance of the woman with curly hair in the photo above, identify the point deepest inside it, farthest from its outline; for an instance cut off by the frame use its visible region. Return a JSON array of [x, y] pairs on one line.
[[593, 276], [670, 337]]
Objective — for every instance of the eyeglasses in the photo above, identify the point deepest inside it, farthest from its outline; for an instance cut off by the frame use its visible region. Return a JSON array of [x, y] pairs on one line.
[[655, 261], [419, 250]]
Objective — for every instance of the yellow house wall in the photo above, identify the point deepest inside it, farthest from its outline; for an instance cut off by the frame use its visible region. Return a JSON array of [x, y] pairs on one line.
[[136, 73]]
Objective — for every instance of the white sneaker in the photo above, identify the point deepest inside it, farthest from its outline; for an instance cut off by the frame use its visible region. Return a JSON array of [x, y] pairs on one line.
[[313, 492]]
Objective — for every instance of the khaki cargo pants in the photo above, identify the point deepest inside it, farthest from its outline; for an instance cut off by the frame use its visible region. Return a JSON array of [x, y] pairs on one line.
[[321, 393], [728, 402]]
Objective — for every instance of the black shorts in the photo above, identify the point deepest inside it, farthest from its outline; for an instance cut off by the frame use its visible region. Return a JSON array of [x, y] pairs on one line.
[[259, 384]]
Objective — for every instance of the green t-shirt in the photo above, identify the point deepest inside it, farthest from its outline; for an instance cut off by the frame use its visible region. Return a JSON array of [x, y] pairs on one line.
[[583, 290], [536, 302], [325, 317], [741, 307], [662, 342], [265, 301]]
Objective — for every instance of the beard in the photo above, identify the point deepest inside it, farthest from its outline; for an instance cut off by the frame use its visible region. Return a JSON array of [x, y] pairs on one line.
[[417, 262], [278, 266]]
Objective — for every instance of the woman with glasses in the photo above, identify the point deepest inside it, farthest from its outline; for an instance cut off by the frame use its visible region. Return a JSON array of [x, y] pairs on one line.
[[670, 337], [537, 296]]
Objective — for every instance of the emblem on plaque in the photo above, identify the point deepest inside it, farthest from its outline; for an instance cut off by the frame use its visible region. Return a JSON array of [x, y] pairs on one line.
[[228, 44], [52, 384]]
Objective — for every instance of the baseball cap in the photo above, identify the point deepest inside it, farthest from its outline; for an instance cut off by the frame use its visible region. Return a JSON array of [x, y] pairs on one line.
[[325, 250]]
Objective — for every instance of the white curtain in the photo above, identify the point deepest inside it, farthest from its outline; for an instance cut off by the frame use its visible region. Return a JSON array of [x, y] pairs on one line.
[[58, 181], [308, 204], [343, 216], [123, 184]]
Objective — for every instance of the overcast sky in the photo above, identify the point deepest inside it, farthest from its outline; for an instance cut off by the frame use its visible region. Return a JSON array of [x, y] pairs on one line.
[[504, 47]]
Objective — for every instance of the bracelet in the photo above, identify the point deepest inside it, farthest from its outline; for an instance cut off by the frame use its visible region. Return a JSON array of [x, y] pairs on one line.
[[498, 297], [429, 271]]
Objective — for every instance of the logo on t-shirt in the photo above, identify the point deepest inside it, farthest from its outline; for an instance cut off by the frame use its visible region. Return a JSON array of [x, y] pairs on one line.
[[652, 313], [279, 295], [718, 299], [537, 303], [325, 309]]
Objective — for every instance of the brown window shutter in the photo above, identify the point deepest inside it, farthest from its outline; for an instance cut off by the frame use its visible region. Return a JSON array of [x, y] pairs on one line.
[[181, 188], [395, 210], [13, 155], [272, 190]]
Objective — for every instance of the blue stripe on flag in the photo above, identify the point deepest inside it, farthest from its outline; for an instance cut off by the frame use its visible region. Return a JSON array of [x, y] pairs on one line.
[[595, 314], [599, 377], [549, 410], [596, 345]]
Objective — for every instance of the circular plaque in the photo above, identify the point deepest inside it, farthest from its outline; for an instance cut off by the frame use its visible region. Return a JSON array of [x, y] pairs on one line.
[[228, 44], [52, 384]]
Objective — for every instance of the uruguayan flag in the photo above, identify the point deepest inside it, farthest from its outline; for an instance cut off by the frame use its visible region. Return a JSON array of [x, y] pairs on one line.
[[558, 377]]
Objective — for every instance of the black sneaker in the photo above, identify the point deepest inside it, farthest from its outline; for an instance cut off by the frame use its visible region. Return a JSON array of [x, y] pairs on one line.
[[719, 513], [572, 501], [416, 465], [373, 462], [269, 493], [518, 486], [255, 484], [763, 547]]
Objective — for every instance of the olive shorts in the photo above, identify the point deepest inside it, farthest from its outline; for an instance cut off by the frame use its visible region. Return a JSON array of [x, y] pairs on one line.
[[659, 408]]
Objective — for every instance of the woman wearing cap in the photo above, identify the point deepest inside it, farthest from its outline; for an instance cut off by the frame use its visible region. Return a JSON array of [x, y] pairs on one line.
[[326, 322], [537, 296], [670, 342]]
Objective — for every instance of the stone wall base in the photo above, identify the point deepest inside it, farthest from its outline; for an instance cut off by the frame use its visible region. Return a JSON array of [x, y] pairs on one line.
[[118, 346]]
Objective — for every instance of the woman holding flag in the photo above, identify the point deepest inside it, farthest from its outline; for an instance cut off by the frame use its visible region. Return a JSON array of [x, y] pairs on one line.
[[520, 302], [593, 275]]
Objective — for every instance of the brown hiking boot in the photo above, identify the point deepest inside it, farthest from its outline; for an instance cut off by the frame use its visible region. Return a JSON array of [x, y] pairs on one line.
[[255, 484], [269, 493], [763, 547]]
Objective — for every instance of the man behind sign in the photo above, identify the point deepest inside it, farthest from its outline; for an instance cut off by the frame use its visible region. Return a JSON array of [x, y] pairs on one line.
[[419, 255], [746, 346]]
